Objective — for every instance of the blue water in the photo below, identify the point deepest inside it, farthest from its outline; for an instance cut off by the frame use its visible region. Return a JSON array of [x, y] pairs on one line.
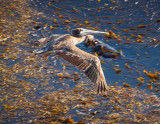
[[126, 18]]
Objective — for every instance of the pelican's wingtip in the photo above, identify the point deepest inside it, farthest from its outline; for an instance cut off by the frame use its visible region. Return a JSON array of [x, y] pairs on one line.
[[102, 93], [102, 88]]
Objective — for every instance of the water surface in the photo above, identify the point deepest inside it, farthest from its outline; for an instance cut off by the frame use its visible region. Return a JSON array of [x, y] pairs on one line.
[[35, 89]]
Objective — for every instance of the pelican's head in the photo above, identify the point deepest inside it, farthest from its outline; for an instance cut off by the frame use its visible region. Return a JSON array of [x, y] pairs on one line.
[[82, 32]]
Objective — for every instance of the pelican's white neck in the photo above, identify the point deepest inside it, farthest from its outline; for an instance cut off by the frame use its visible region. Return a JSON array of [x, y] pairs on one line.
[[78, 40]]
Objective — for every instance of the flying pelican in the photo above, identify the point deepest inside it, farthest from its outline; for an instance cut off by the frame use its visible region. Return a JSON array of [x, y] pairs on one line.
[[65, 47]]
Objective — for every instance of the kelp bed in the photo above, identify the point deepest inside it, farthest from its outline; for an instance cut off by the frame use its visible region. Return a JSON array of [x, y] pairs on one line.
[[49, 90]]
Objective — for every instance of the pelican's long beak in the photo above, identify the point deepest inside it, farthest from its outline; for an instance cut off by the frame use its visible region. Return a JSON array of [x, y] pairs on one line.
[[91, 32]]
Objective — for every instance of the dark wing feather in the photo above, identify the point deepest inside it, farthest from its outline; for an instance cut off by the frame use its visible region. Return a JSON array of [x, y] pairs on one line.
[[48, 41], [88, 63]]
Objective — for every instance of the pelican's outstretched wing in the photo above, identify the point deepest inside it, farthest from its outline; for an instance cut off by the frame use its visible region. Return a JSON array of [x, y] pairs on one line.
[[52, 38], [88, 63], [45, 40], [48, 43]]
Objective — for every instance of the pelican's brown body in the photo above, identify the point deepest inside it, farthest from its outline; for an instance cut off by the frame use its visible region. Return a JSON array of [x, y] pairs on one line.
[[64, 47]]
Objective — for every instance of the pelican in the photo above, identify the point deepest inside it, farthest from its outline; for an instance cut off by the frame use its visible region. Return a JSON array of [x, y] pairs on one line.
[[65, 47]]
